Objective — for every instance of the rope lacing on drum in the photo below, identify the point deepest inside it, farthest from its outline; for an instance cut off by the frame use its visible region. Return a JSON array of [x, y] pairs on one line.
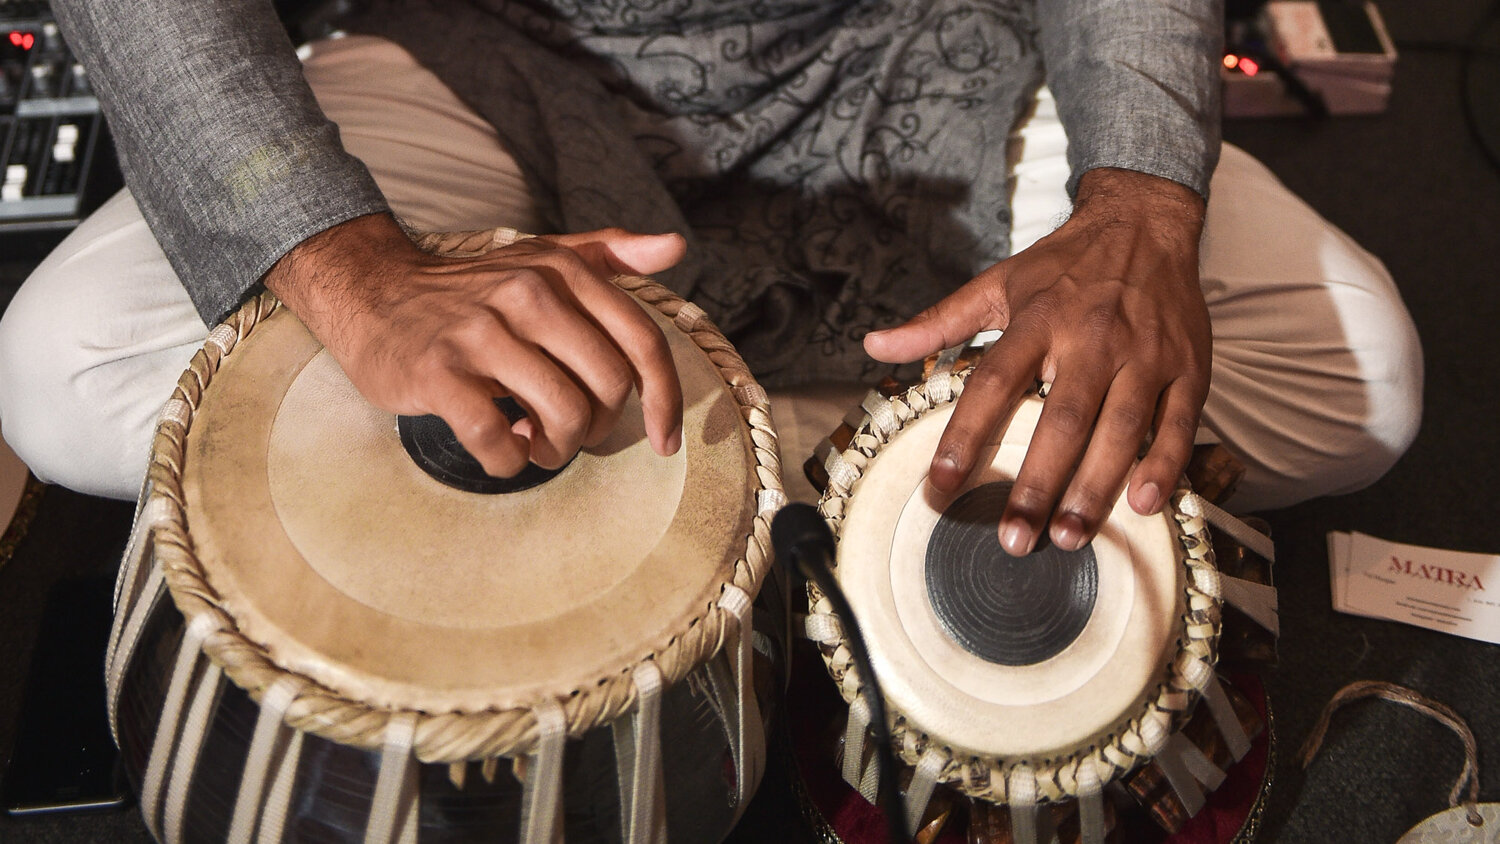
[[1256, 600]]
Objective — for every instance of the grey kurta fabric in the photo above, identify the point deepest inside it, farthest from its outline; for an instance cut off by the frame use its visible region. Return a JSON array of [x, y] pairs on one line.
[[837, 165]]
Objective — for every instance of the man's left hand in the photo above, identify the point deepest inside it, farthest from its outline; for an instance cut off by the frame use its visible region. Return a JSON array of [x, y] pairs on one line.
[[1107, 309]]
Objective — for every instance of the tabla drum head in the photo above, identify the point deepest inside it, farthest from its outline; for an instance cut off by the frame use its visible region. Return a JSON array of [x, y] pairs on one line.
[[1054, 660], [318, 524], [1003, 656]]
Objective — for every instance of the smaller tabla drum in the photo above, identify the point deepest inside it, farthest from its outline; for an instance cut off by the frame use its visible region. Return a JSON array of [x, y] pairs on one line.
[[317, 640], [1026, 682]]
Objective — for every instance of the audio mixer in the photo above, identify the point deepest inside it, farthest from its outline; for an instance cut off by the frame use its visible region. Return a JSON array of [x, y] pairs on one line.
[[51, 129]]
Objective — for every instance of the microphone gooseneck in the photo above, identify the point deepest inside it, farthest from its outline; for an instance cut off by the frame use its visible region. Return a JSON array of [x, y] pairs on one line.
[[804, 543]]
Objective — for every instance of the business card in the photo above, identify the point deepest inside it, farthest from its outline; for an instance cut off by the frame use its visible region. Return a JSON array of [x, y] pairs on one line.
[[1449, 591]]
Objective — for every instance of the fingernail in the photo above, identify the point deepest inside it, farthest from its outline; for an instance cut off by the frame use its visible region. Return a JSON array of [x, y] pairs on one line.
[[674, 440], [947, 459], [1147, 498], [1067, 532], [1016, 539], [944, 472]]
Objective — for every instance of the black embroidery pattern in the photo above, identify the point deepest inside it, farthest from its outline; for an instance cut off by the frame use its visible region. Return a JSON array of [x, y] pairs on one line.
[[837, 166]]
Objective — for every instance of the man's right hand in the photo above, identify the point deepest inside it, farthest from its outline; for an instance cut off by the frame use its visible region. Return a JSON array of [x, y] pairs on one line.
[[538, 320]]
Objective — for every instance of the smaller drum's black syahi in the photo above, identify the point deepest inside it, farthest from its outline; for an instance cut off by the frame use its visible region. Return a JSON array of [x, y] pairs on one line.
[[1005, 609]]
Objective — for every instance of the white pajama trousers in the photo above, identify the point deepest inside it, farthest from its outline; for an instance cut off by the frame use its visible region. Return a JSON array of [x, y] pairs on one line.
[[1317, 370]]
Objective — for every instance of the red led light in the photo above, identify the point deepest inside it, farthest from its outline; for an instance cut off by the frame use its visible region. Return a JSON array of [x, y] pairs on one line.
[[1249, 66], [24, 40], [1231, 61]]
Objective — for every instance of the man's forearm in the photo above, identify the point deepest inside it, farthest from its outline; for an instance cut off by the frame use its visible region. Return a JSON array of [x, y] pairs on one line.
[[220, 138], [1137, 84]]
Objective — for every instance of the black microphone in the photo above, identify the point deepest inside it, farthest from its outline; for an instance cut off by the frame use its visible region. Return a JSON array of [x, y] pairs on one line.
[[804, 543]]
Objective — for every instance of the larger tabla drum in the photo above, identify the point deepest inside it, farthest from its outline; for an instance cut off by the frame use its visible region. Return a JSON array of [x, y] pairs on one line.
[[318, 640]]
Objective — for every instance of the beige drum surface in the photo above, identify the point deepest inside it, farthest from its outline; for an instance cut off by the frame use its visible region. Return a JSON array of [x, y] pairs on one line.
[[973, 705], [348, 563]]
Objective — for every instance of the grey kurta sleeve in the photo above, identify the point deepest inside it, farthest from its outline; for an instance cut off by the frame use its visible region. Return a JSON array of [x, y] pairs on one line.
[[221, 141], [1137, 84]]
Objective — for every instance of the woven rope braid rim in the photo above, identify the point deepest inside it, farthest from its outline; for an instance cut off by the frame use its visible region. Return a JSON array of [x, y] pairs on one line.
[[1126, 747], [444, 737]]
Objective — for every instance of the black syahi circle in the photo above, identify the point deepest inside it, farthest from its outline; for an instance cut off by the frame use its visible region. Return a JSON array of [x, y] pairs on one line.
[[435, 449], [1004, 609]]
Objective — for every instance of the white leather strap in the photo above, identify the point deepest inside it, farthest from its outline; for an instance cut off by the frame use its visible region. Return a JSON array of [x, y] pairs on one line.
[[394, 805], [638, 762], [185, 758], [1021, 792], [279, 797], [856, 731], [269, 731], [165, 743], [541, 795], [1256, 600], [919, 790], [748, 740], [1091, 828], [1219, 706], [117, 660]]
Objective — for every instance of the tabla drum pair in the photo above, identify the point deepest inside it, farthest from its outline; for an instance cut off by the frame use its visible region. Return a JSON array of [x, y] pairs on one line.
[[1025, 693], [317, 640]]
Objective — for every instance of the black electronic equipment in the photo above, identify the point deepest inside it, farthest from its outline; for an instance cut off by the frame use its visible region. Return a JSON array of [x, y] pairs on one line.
[[64, 758], [51, 129]]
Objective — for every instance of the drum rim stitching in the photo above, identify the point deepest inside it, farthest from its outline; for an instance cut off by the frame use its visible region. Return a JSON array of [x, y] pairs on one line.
[[445, 737], [985, 777]]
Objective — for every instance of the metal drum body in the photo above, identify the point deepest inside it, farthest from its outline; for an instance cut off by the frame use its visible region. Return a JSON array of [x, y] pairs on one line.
[[316, 641]]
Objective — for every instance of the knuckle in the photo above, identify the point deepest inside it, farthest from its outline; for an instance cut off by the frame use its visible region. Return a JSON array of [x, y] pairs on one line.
[[1090, 502], [1180, 424], [616, 384], [1125, 420], [1068, 418], [526, 290], [1030, 500]]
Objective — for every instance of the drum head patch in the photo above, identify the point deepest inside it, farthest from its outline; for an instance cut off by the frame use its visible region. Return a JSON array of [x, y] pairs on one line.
[[1003, 609], [434, 448]]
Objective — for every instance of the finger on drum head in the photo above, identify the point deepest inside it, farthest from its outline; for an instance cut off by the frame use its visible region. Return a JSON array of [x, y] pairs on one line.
[[1123, 422], [1062, 433], [556, 406], [990, 393], [1176, 427], [469, 409], [595, 364], [645, 347]]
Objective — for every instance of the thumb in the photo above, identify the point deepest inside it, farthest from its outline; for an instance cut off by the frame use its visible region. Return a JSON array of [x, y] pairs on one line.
[[954, 320], [629, 252]]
